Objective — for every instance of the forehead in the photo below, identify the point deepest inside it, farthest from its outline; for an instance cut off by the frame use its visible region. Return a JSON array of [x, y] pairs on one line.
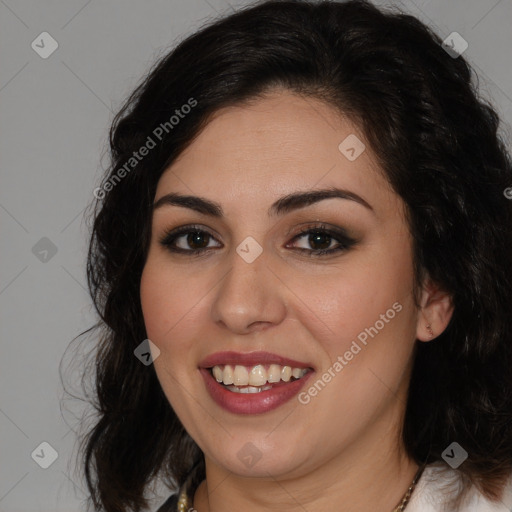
[[273, 146]]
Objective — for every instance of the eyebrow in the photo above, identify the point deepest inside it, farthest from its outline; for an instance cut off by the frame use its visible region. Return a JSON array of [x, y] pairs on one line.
[[283, 205]]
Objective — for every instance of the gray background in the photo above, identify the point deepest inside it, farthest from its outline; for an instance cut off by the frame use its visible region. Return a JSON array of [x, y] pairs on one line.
[[55, 114]]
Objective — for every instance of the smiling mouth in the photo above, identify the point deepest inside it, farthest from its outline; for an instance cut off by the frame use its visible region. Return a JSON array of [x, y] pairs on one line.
[[257, 378]]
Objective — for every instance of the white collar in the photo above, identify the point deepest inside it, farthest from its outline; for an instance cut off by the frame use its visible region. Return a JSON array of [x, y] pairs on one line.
[[438, 482]]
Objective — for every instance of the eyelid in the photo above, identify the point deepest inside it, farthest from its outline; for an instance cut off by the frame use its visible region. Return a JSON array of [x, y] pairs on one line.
[[320, 226]]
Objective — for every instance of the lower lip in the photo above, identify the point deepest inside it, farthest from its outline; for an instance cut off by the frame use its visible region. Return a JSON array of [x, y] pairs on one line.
[[252, 403]]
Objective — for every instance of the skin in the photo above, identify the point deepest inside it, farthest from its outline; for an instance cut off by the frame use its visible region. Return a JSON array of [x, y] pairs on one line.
[[342, 450]]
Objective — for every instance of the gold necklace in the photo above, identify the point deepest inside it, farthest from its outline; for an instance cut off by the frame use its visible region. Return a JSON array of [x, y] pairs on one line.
[[405, 500], [184, 506]]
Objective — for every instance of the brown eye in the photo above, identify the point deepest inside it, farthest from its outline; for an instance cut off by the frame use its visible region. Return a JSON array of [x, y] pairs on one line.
[[192, 240], [187, 239], [197, 239], [319, 240]]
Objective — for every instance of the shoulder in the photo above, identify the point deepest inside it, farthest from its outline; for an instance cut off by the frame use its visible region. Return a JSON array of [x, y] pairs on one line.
[[170, 505], [439, 483]]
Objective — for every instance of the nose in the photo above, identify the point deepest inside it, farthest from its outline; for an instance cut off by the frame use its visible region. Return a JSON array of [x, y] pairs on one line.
[[249, 297]]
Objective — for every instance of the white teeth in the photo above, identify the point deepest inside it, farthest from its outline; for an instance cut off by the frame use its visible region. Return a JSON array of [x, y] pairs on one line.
[[217, 373], [286, 373], [248, 389], [296, 373], [240, 376], [274, 373], [227, 375], [258, 376], [254, 377]]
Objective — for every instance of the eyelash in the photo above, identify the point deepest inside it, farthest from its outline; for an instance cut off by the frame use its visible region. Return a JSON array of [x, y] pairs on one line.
[[345, 242]]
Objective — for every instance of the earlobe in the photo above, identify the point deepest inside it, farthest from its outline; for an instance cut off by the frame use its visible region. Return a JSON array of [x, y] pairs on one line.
[[435, 313]]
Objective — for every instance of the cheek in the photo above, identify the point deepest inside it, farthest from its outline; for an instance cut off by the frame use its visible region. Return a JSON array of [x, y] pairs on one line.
[[365, 292], [335, 304], [155, 302], [167, 300], [174, 309], [167, 307]]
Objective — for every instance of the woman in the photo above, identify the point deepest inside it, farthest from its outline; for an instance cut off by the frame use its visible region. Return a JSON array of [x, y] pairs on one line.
[[301, 256]]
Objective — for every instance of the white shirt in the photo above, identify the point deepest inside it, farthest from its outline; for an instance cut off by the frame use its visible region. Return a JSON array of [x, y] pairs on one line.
[[434, 486]]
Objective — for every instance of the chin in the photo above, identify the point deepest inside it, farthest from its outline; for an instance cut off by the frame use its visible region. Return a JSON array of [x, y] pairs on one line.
[[259, 459]]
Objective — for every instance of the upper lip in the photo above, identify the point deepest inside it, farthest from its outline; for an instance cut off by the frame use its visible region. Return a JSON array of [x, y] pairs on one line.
[[249, 359]]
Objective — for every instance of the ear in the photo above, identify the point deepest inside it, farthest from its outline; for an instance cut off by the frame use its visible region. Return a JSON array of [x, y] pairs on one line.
[[436, 311]]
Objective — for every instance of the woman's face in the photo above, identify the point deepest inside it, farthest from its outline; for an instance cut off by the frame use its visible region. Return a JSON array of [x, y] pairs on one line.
[[347, 317]]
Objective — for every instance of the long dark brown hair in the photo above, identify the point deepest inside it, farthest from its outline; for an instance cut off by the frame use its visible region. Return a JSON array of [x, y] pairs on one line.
[[439, 145]]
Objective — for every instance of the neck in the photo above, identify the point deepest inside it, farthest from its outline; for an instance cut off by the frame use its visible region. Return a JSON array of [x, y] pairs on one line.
[[371, 474]]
